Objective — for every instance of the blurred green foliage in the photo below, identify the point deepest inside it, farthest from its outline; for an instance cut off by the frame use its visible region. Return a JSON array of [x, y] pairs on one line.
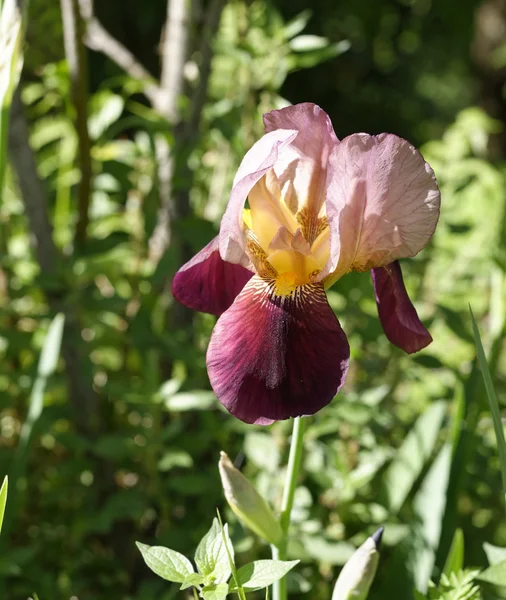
[[409, 443]]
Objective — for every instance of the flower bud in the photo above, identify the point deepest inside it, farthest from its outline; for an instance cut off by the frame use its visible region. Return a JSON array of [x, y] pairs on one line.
[[251, 508], [358, 573]]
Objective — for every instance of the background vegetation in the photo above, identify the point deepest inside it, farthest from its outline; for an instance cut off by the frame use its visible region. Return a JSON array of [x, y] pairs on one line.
[[121, 160]]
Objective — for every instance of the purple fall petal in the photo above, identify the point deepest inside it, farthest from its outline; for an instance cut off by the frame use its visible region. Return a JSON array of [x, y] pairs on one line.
[[207, 283], [397, 314], [273, 357]]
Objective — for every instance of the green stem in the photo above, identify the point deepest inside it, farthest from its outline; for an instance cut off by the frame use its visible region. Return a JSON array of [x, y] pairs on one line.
[[292, 473]]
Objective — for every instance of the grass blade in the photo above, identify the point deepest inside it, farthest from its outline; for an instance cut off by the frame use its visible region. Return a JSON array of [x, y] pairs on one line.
[[455, 559], [492, 400], [3, 500]]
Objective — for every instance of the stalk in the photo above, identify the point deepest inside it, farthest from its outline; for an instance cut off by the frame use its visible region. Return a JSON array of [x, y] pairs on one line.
[[292, 473]]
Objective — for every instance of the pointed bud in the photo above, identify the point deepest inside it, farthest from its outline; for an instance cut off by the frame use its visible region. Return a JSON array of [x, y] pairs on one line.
[[358, 573], [251, 508]]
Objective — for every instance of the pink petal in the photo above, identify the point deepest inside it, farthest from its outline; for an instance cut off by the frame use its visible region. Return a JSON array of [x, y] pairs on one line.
[[382, 202], [302, 167], [314, 127], [272, 358], [207, 283], [258, 160], [398, 316]]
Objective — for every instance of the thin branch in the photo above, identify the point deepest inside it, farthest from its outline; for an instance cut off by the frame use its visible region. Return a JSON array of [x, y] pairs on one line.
[[82, 397], [99, 39], [199, 96], [76, 59], [192, 126], [173, 57], [32, 189]]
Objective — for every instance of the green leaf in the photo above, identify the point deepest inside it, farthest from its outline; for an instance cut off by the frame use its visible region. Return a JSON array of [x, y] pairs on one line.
[[496, 574], [166, 563], [3, 500], [262, 573], [192, 580], [413, 454], [297, 24], [261, 448], [105, 109], [195, 400], [306, 43], [429, 505], [495, 554], [51, 349], [218, 592], [492, 399], [47, 366], [211, 556], [455, 559]]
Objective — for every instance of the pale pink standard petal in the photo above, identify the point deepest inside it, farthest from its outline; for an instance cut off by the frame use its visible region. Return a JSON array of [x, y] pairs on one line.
[[382, 202], [397, 314], [274, 357], [258, 160], [302, 167], [316, 135], [207, 283]]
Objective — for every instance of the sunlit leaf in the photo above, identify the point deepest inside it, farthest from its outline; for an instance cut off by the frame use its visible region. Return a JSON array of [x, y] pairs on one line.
[[211, 554], [262, 573], [495, 574], [495, 554], [166, 563]]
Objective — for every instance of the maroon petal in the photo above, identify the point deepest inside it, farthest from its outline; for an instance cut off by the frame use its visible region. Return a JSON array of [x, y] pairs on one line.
[[207, 283], [398, 316], [272, 357]]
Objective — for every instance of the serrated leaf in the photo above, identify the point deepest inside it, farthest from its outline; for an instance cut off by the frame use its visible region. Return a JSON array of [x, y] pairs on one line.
[[3, 500], [495, 554], [192, 581], [496, 574], [218, 592], [262, 573], [167, 564], [211, 555]]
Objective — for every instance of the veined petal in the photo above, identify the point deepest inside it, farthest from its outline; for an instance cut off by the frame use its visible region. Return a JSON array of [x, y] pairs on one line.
[[302, 167], [397, 314], [274, 357], [207, 283], [257, 161], [382, 203]]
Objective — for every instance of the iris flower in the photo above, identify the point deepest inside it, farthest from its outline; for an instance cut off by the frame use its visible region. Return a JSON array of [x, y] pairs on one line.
[[305, 209]]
